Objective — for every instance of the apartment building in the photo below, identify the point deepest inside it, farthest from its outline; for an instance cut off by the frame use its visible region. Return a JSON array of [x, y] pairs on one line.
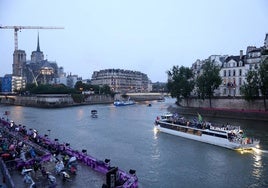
[[120, 80]]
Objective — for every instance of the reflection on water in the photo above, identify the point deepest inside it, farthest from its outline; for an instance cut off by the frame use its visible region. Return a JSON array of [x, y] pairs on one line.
[[155, 132], [257, 170]]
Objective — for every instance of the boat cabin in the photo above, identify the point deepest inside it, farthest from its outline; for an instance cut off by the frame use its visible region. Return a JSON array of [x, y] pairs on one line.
[[94, 113]]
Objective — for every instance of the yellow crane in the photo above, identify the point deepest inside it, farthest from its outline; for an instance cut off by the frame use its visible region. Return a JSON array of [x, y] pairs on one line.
[[18, 28]]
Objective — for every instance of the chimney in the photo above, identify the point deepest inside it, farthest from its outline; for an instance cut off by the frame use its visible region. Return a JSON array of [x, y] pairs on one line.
[[241, 54]]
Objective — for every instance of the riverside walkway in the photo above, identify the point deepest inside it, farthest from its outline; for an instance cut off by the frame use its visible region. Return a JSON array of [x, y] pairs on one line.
[[26, 149]]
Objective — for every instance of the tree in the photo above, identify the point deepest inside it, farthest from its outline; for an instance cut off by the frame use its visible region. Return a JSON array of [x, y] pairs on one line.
[[79, 86], [50, 89], [263, 80], [105, 89], [209, 80], [250, 89], [180, 82], [159, 87]]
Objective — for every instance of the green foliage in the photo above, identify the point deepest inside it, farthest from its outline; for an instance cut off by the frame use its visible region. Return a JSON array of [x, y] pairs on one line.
[[30, 87], [159, 87], [257, 82], [209, 80], [263, 76], [250, 90], [79, 86], [49, 89], [105, 89], [77, 97], [263, 73], [180, 83]]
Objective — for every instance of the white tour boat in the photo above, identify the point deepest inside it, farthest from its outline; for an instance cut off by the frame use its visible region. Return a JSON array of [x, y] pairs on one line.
[[124, 102], [227, 136]]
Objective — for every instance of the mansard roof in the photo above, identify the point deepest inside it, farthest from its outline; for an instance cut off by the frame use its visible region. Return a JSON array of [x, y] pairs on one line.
[[235, 58], [255, 50]]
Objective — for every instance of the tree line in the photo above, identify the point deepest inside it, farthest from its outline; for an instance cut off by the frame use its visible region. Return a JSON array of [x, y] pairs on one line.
[[182, 82], [63, 89]]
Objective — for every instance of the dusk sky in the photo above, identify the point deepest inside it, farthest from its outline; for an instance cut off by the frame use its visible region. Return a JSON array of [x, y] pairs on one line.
[[150, 36]]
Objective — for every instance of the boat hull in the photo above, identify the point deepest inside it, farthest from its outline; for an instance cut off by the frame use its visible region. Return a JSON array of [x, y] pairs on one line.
[[222, 142], [123, 103]]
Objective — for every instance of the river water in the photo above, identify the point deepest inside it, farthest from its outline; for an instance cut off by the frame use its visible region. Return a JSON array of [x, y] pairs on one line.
[[126, 136]]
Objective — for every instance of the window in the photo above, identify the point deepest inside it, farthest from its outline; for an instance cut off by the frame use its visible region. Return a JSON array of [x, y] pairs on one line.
[[240, 81], [233, 72], [240, 72], [224, 73], [229, 72]]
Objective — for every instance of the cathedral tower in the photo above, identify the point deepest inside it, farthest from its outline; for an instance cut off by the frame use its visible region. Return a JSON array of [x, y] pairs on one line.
[[19, 58], [37, 55]]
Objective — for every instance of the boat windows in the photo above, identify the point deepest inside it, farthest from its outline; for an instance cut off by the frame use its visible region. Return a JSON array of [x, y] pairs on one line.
[[214, 134]]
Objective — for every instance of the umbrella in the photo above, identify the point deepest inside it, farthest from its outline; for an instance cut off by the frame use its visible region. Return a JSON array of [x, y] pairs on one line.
[[72, 159], [11, 147], [5, 155], [24, 171]]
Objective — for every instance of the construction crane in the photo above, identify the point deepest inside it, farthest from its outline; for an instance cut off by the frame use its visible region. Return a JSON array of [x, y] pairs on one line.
[[18, 28]]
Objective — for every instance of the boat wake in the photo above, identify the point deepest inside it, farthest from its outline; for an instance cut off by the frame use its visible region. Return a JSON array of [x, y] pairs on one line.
[[264, 151], [259, 151]]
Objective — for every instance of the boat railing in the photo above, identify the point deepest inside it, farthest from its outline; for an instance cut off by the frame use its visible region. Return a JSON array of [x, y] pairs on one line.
[[239, 139], [222, 128]]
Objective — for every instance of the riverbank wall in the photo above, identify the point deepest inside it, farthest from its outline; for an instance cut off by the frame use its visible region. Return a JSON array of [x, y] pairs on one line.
[[228, 103], [66, 100], [221, 113], [234, 108], [54, 100]]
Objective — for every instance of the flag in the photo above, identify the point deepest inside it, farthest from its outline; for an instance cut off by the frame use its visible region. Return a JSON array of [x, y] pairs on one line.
[[200, 119]]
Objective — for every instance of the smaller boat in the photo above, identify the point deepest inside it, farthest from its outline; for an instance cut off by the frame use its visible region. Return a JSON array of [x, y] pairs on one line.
[[161, 99], [94, 113], [124, 103], [149, 105]]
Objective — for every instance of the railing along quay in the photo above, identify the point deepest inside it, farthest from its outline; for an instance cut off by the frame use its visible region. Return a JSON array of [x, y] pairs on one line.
[[45, 148]]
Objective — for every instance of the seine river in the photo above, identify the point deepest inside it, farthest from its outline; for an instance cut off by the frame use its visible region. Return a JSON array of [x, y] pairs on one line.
[[126, 136]]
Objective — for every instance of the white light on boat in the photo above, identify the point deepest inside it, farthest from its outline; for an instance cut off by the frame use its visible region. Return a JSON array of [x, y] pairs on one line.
[[257, 150]]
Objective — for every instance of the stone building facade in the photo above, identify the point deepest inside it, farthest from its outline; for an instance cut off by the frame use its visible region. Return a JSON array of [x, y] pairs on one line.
[[234, 69], [122, 80]]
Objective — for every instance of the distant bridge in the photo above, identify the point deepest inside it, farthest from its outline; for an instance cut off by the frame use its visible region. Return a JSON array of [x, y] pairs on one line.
[[146, 96]]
